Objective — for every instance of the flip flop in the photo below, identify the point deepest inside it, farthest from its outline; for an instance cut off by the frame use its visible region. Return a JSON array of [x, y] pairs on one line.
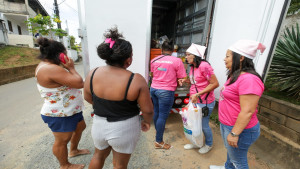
[[164, 146]]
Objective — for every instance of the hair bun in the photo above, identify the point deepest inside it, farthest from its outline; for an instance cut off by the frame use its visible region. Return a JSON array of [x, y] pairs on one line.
[[43, 42], [113, 33]]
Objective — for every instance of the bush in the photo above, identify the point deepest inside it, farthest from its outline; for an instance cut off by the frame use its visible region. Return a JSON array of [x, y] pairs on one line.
[[285, 68]]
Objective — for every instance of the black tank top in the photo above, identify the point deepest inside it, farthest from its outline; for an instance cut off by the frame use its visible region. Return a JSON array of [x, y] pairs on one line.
[[114, 110]]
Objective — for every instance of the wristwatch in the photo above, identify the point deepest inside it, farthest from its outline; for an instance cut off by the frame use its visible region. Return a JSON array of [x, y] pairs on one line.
[[233, 134]]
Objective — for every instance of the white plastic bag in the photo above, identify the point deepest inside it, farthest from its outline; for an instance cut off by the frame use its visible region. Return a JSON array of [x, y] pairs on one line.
[[192, 124]]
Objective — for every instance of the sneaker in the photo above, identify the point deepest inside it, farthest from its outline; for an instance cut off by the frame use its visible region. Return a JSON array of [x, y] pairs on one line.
[[216, 167], [190, 146], [205, 149]]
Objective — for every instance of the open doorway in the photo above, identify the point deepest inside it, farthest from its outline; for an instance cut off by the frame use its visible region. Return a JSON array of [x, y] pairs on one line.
[[183, 21]]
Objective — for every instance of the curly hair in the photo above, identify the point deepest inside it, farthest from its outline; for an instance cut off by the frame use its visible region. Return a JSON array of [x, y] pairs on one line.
[[50, 50], [120, 51]]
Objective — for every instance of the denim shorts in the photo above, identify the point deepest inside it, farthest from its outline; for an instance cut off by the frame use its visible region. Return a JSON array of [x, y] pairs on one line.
[[63, 124]]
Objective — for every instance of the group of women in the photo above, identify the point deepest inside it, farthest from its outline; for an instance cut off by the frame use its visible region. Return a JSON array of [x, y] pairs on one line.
[[118, 96]]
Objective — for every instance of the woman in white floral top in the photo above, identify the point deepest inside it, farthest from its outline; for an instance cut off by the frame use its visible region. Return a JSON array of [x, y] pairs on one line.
[[59, 84]]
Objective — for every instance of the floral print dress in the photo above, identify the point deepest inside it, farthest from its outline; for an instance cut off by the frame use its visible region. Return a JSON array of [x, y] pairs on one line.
[[61, 101]]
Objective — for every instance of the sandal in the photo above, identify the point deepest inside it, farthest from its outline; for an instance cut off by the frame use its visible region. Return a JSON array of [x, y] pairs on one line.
[[162, 146]]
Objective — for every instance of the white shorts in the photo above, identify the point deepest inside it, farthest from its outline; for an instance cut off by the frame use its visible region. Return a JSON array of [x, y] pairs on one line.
[[122, 136]]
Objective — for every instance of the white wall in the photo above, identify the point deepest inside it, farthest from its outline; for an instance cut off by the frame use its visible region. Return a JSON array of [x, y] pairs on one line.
[[72, 54], [235, 20], [14, 39], [133, 18], [15, 23]]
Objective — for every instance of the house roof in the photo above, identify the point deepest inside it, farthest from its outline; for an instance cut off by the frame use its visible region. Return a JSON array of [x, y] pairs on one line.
[[37, 7]]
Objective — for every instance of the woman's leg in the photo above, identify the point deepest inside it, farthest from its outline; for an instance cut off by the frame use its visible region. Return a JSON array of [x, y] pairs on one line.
[[99, 157], [60, 149], [155, 102], [237, 157], [76, 136], [120, 160], [166, 100], [205, 124]]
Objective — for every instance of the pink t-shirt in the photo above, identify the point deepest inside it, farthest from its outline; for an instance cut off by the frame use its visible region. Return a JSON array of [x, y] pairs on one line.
[[229, 101], [202, 75], [166, 71]]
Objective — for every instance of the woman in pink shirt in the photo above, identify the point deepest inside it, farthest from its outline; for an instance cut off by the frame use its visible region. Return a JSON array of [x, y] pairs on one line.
[[203, 82], [166, 70], [238, 103]]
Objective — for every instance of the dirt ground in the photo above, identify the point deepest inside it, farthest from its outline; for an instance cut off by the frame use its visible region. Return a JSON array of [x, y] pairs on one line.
[[26, 141], [177, 157]]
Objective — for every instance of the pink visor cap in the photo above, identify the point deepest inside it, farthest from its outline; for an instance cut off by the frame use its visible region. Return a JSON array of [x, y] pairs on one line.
[[247, 48], [197, 50]]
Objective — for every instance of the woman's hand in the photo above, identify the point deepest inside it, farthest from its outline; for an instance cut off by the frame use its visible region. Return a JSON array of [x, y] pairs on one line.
[[232, 141], [181, 81], [69, 63], [194, 98], [145, 126]]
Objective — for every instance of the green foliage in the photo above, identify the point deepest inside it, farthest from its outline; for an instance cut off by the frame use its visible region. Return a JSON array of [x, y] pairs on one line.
[[72, 41], [294, 7], [44, 25], [73, 45], [285, 68], [215, 118], [274, 92]]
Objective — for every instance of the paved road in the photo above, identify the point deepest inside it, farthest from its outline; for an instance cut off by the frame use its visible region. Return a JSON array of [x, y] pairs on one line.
[[26, 142]]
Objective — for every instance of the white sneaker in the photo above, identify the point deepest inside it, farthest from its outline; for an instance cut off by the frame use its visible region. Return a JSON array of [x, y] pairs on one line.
[[190, 146], [205, 149], [216, 167]]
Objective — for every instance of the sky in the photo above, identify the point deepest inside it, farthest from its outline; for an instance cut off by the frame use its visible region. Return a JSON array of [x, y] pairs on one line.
[[68, 12]]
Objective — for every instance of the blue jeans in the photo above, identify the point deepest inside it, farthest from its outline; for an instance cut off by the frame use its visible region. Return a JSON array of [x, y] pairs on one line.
[[162, 102], [237, 157], [205, 124]]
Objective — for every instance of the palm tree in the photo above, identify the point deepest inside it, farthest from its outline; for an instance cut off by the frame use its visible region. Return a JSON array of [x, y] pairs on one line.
[[285, 67]]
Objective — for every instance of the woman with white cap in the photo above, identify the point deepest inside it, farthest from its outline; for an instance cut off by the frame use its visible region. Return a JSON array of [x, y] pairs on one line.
[[238, 103], [203, 82]]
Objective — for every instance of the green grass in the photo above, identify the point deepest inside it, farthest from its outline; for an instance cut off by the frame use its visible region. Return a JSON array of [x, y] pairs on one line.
[[215, 118], [12, 56]]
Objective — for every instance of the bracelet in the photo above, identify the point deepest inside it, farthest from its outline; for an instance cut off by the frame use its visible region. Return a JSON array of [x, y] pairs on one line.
[[233, 134]]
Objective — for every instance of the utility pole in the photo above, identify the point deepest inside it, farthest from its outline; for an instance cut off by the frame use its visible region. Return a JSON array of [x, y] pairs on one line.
[[56, 11]]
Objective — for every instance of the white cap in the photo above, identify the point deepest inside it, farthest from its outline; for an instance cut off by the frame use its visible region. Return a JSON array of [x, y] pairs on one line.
[[197, 50], [247, 48]]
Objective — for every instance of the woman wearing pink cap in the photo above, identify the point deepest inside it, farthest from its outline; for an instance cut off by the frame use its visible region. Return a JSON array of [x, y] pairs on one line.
[[203, 82], [238, 103]]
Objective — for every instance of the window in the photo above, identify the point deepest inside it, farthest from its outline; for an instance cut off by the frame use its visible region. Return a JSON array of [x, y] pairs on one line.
[[19, 30], [9, 26]]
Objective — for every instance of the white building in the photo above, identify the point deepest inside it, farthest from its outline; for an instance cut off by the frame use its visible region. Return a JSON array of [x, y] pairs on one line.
[[13, 14]]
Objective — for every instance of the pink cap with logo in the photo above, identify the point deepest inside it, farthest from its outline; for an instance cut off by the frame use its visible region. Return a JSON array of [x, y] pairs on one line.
[[197, 50], [247, 48]]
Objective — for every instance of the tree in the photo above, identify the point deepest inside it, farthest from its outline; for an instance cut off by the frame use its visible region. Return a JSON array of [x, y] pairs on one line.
[[72, 40], [72, 43], [44, 26], [285, 67]]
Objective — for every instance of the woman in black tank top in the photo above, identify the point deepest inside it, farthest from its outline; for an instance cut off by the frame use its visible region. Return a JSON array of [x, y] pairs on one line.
[[118, 96]]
